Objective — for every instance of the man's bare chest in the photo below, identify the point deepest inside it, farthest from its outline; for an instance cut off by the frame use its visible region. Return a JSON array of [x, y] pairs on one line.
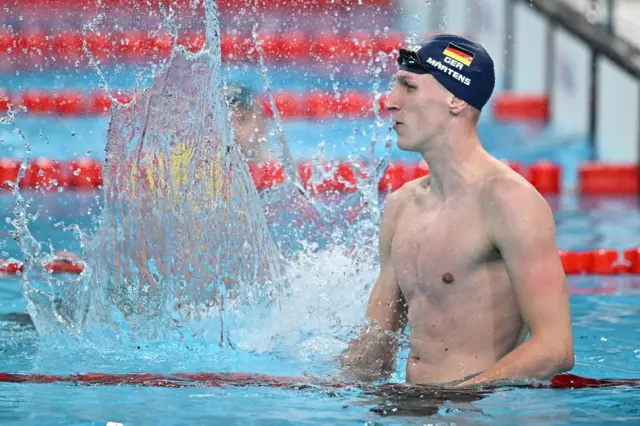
[[436, 251]]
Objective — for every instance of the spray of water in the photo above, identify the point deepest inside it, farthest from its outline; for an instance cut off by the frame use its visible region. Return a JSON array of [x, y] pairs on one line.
[[182, 237], [186, 248]]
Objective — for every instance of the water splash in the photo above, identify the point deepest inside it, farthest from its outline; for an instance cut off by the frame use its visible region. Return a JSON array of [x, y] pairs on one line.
[[183, 250], [182, 238]]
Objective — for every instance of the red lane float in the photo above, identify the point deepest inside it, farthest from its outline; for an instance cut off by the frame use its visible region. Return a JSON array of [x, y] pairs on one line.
[[60, 266], [232, 5], [609, 179], [290, 105], [44, 173], [137, 46], [9, 170], [86, 173], [546, 177], [592, 262], [226, 380], [601, 262], [521, 107]]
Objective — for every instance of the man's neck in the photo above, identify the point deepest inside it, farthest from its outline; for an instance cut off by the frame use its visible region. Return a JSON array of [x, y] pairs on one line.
[[453, 163]]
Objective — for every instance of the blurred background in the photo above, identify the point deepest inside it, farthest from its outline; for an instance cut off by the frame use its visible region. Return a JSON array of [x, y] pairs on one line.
[[565, 111], [567, 70]]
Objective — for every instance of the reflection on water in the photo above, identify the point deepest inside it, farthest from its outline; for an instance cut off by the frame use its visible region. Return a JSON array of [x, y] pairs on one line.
[[421, 401]]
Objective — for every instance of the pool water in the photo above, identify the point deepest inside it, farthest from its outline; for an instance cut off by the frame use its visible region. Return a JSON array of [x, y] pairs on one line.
[[606, 321]]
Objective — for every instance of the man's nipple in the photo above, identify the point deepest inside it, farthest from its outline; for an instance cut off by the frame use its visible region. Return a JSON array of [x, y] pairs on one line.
[[447, 278]]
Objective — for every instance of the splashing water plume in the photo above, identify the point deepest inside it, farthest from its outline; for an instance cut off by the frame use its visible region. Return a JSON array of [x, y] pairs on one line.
[[182, 236], [183, 249]]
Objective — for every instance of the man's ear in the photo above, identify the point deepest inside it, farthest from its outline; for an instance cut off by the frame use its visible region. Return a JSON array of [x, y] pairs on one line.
[[456, 105]]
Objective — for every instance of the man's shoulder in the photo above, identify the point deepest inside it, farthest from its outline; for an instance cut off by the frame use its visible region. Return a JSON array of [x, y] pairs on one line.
[[510, 193], [514, 211], [507, 182], [396, 201], [406, 192]]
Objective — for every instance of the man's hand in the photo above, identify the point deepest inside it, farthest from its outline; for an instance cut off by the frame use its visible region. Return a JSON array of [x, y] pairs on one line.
[[370, 357]]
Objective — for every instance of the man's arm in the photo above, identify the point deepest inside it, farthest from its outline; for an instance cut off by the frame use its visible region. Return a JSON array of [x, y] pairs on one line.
[[372, 355], [522, 229]]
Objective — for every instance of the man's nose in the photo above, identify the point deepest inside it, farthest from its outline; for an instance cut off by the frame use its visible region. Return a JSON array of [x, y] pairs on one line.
[[391, 103]]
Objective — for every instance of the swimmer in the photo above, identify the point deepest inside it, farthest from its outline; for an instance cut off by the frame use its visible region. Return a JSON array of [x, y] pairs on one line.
[[468, 255], [249, 123]]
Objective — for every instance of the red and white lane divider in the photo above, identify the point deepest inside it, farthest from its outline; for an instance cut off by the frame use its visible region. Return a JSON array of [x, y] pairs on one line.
[[85, 173], [60, 266], [231, 5], [139, 46], [306, 105], [591, 262], [310, 105], [230, 380]]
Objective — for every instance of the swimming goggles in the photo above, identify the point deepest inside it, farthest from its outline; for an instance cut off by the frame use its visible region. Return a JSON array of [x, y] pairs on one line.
[[408, 59]]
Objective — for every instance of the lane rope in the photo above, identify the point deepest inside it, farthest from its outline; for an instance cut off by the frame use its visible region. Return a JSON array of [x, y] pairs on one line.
[[587, 262], [225, 380], [225, 5], [136, 47], [313, 105], [47, 174]]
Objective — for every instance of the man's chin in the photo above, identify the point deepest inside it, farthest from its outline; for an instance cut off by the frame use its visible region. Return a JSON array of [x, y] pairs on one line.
[[405, 146]]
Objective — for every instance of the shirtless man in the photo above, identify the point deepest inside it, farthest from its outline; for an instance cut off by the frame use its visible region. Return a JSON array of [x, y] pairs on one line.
[[468, 257]]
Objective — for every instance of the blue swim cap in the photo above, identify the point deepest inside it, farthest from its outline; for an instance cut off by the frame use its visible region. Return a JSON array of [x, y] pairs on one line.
[[239, 96], [463, 67]]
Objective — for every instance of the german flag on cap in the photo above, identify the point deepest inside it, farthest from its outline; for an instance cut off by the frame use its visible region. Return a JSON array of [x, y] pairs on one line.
[[459, 54]]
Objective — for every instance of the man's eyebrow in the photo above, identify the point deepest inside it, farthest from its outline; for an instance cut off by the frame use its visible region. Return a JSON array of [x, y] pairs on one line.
[[405, 80]]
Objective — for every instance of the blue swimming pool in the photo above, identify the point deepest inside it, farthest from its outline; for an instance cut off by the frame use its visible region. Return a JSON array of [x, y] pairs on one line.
[[329, 291], [606, 330]]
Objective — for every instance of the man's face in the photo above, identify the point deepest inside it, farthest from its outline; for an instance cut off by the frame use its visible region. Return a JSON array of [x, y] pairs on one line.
[[419, 106], [249, 126]]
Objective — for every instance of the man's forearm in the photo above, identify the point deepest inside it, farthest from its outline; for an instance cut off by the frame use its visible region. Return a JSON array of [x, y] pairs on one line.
[[371, 356], [368, 363], [531, 360]]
